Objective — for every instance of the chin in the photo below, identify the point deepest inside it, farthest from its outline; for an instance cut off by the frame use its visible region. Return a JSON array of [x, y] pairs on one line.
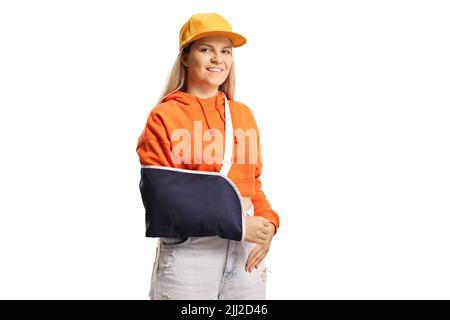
[[215, 83]]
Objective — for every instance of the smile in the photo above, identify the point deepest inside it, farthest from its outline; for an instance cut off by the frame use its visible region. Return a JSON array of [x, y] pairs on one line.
[[215, 70]]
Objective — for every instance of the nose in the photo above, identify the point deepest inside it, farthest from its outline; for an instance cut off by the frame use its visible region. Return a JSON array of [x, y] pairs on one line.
[[215, 58]]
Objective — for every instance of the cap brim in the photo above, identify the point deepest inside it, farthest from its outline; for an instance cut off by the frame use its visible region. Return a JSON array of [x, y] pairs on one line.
[[237, 40]]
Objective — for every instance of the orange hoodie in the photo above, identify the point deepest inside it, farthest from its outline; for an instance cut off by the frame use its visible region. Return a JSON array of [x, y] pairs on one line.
[[179, 110]]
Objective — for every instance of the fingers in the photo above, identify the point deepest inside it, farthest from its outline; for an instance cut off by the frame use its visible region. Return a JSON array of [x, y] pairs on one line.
[[255, 260], [250, 259], [264, 234]]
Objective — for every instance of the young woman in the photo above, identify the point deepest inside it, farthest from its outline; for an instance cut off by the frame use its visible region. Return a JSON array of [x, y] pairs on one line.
[[194, 102]]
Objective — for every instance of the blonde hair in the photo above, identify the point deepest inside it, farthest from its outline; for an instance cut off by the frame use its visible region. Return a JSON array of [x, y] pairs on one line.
[[177, 79]]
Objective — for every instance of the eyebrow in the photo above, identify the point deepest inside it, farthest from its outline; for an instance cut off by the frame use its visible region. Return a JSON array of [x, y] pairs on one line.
[[208, 45]]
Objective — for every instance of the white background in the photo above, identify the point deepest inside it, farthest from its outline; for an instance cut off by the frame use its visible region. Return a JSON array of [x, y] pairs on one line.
[[352, 100]]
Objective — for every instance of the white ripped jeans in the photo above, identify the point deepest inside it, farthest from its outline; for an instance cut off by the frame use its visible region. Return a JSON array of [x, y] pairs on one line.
[[206, 268]]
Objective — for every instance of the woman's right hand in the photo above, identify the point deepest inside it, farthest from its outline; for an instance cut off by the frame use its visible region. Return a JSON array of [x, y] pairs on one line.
[[257, 229]]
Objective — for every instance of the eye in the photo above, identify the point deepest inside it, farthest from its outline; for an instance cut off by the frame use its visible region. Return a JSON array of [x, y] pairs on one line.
[[227, 51], [202, 49]]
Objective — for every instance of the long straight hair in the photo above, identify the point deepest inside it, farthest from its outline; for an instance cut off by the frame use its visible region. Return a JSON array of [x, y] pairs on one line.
[[177, 79]]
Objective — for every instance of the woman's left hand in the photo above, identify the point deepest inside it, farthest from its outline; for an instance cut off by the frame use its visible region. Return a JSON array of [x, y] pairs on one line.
[[259, 253]]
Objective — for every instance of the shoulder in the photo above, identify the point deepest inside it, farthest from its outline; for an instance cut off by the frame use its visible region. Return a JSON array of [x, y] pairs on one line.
[[242, 108], [161, 112], [163, 108]]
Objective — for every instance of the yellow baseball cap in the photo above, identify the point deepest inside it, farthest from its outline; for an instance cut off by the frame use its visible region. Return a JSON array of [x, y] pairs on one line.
[[208, 24]]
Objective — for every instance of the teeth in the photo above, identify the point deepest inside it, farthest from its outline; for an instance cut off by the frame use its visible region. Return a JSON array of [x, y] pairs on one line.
[[214, 70]]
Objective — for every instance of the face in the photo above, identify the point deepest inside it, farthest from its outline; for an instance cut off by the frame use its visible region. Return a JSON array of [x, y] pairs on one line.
[[209, 61]]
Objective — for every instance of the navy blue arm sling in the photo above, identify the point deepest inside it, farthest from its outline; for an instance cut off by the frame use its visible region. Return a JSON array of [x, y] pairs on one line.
[[193, 203]]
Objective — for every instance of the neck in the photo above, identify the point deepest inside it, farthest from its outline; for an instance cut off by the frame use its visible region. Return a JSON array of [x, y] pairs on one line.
[[202, 93]]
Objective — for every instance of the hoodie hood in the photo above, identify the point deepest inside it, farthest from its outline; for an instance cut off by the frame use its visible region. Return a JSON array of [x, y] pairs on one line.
[[189, 101]]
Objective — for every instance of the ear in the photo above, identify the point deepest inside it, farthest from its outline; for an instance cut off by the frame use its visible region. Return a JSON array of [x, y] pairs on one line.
[[184, 60]]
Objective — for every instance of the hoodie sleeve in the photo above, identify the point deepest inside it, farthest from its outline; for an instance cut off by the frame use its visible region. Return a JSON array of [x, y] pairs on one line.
[[153, 146], [261, 205]]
